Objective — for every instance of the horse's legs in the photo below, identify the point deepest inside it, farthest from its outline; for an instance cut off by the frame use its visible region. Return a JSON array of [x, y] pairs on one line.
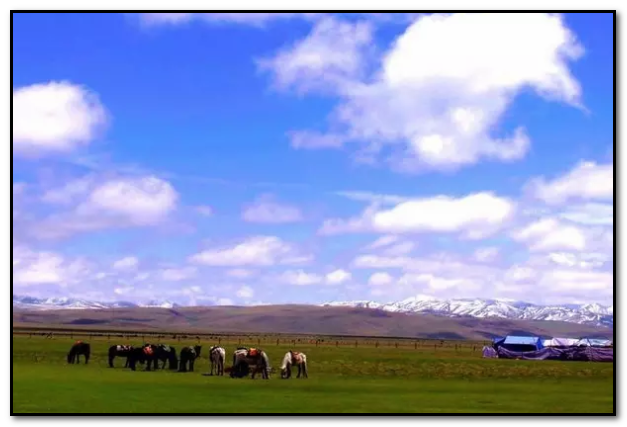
[[299, 371], [86, 359], [191, 365]]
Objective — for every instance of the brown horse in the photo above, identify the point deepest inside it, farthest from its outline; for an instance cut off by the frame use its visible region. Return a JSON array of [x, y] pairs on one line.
[[244, 359], [77, 349]]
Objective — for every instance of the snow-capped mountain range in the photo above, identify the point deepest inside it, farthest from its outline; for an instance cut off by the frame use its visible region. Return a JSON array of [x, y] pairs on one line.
[[53, 303], [588, 314]]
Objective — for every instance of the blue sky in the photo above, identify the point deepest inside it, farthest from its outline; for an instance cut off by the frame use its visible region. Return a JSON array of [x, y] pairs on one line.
[[242, 158]]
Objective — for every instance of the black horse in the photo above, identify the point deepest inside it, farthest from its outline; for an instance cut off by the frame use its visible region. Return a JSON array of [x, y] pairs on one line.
[[120, 351], [77, 349], [151, 354], [189, 355]]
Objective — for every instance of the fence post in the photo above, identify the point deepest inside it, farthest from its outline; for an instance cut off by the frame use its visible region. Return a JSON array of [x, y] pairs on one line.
[[355, 343], [416, 346], [277, 341], [337, 343]]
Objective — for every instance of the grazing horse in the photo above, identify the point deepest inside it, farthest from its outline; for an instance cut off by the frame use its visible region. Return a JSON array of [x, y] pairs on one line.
[[294, 358], [77, 349], [243, 358], [217, 356], [119, 351], [151, 354], [188, 355]]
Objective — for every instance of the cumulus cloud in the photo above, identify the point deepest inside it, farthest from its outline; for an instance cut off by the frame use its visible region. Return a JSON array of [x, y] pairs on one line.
[[55, 117], [113, 203], [328, 58], [586, 181], [380, 279], [254, 251], [550, 234], [476, 215], [266, 210], [441, 88], [300, 278], [337, 277], [126, 263], [31, 267], [589, 214]]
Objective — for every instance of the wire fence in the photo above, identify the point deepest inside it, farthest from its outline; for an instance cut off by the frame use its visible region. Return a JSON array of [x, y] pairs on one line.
[[261, 339]]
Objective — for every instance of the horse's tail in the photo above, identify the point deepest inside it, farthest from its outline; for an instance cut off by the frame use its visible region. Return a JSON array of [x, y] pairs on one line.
[[265, 360], [87, 352], [305, 366]]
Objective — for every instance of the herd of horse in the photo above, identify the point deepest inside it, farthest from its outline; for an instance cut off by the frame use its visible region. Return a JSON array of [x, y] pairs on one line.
[[245, 360]]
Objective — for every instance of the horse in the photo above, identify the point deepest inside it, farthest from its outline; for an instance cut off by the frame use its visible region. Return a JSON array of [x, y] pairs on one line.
[[217, 355], [77, 349], [244, 358], [151, 354], [119, 351], [188, 355], [294, 358]]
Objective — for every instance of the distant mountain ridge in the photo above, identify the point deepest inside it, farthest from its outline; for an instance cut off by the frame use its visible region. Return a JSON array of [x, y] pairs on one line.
[[583, 314], [55, 303]]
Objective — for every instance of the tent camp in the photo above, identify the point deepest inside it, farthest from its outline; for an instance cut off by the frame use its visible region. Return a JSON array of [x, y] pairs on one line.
[[560, 342], [593, 342], [519, 344]]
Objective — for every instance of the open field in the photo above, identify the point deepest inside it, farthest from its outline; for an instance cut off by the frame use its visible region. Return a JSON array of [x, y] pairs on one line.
[[343, 378]]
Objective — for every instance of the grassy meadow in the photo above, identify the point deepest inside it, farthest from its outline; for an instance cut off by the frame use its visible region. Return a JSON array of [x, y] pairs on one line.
[[342, 379]]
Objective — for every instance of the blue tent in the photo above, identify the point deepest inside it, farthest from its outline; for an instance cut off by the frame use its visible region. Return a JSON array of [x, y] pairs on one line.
[[520, 344]]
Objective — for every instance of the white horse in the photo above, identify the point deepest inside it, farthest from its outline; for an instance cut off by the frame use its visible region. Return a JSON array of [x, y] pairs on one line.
[[294, 358], [217, 355], [246, 358]]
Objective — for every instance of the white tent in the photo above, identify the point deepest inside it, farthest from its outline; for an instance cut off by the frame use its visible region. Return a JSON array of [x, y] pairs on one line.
[[561, 342]]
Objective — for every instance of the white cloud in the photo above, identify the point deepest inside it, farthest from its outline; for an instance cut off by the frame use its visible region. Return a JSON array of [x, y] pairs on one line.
[[251, 19], [266, 210], [126, 263], [330, 56], [486, 254], [398, 249], [477, 215], [254, 251], [300, 278], [549, 234], [366, 196], [441, 88], [55, 117], [589, 214], [178, 274], [380, 279], [588, 180], [582, 260], [45, 268], [245, 292], [338, 277], [383, 241], [114, 203]]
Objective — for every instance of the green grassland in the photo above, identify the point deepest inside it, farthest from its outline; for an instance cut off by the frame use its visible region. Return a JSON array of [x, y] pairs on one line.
[[342, 379]]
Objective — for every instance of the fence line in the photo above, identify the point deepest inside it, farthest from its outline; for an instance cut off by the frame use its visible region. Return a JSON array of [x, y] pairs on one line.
[[266, 339]]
